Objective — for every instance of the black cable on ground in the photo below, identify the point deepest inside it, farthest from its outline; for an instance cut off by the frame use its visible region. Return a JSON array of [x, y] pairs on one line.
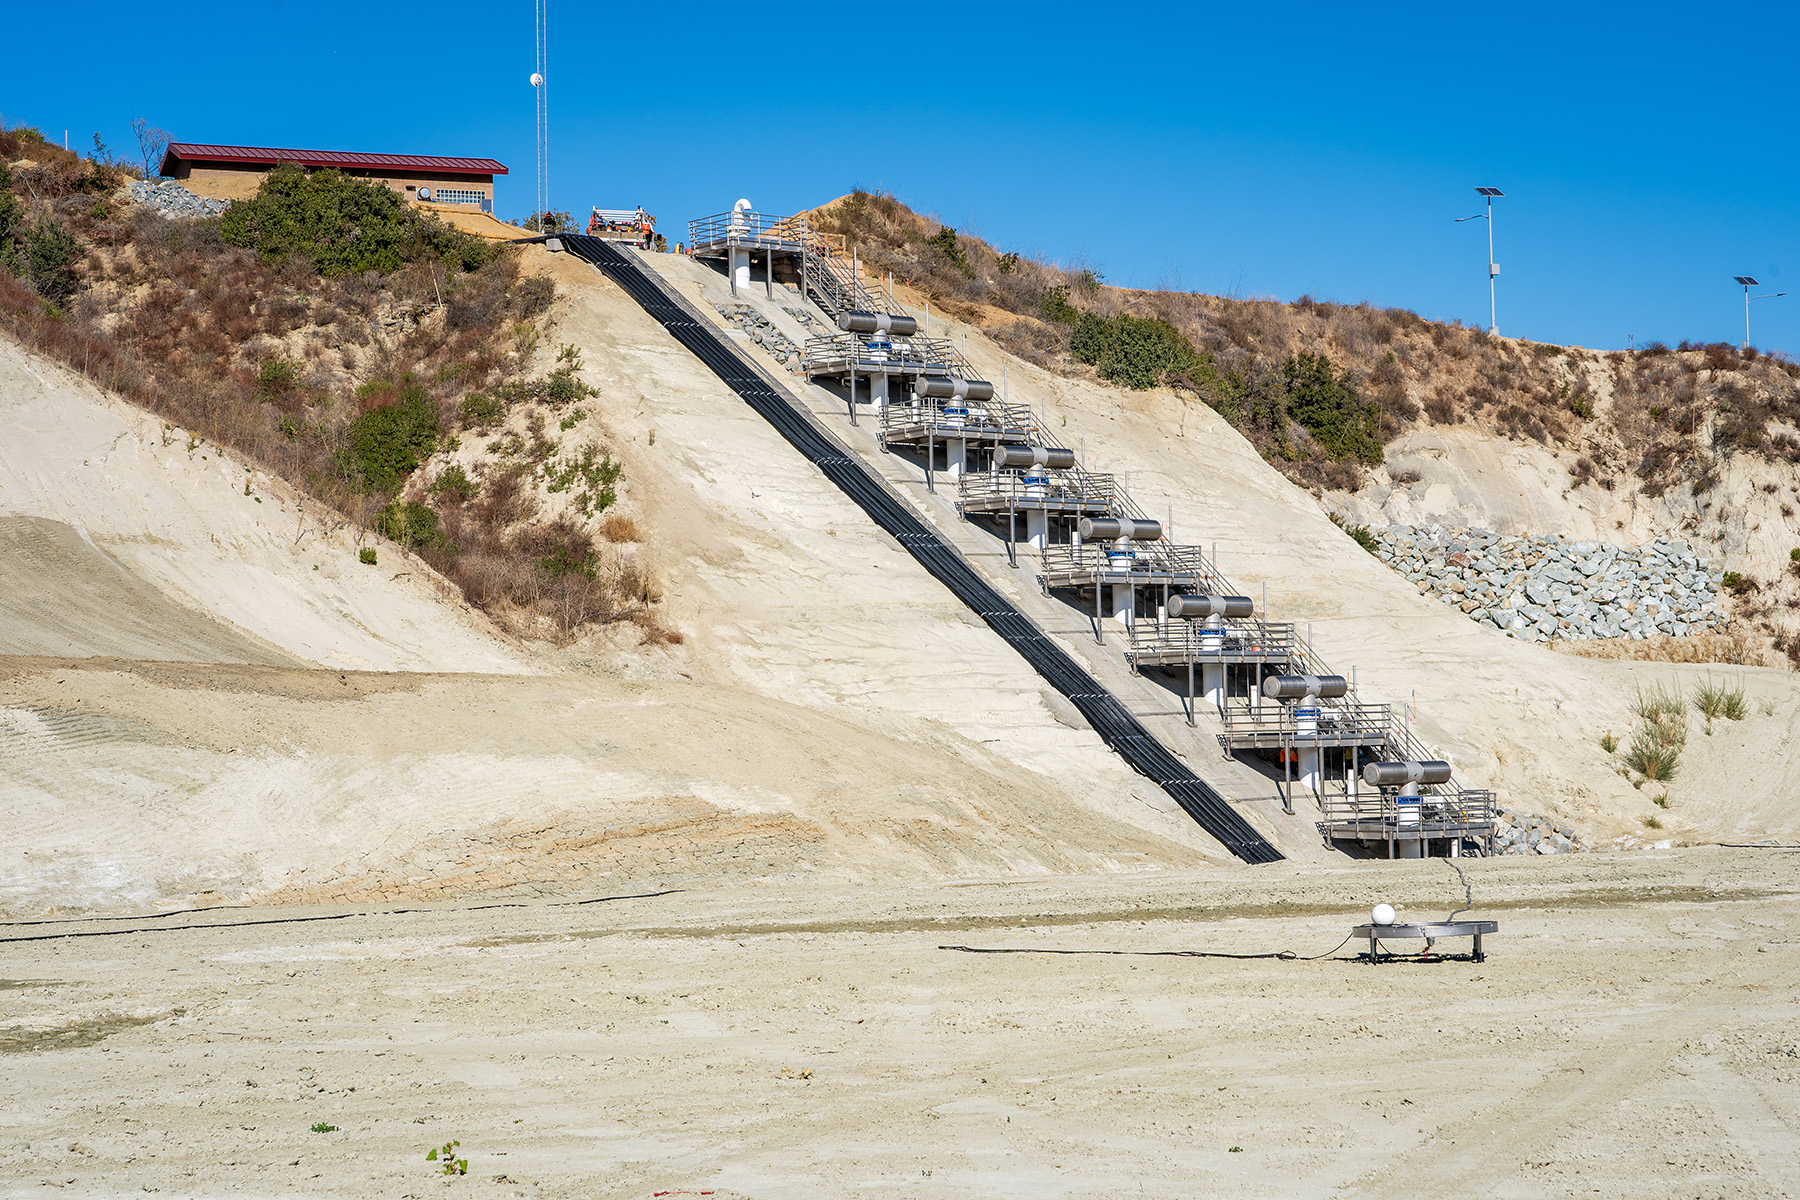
[[1281, 955], [381, 912], [1104, 712]]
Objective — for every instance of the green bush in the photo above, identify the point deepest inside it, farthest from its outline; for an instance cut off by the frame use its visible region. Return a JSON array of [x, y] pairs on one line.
[[1582, 407], [1055, 306], [43, 256], [277, 377], [1732, 581], [341, 225], [1358, 533], [453, 485], [1137, 352], [480, 411], [412, 524], [367, 555], [944, 241], [387, 443], [1326, 404]]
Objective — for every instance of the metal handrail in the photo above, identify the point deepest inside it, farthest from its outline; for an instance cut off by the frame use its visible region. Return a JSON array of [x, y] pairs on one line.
[[1470, 810], [840, 351], [748, 229], [1337, 724], [1270, 639], [985, 420], [1092, 560], [1009, 489]]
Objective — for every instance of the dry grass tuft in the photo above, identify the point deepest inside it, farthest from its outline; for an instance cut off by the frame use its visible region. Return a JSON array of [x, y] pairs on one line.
[[1737, 649]]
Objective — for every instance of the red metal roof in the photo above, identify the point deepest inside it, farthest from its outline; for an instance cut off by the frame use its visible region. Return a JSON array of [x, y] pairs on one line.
[[269, 156]]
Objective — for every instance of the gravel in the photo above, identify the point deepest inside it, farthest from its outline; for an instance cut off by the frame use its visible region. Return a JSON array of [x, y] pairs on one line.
[[1542, 589], [172, 200], [763, 332]]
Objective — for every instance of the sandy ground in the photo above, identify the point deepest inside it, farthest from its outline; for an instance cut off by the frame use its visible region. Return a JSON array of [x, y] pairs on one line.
[[1632, 1034]]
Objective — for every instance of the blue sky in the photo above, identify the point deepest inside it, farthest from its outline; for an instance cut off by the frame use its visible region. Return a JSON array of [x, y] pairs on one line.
[[1648, 152]]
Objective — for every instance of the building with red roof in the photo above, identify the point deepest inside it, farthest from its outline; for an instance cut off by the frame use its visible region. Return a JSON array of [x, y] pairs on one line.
[[235, 172]]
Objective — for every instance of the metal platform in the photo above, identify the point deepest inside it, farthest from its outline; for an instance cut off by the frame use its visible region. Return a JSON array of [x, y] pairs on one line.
[[1430, 932], [1141, 564], [1272, 726], [1372, 816], [982, 423], [1176, 643], [1073, 492], [839, 355], [716, 236]]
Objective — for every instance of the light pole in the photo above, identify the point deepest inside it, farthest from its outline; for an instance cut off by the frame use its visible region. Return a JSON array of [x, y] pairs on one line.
[[1493, 267], [1749, 281], [541, 85]]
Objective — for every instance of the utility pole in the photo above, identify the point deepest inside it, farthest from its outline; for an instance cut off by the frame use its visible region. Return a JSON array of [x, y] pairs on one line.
[[540, 82], [1749, 281], [1493, 267]]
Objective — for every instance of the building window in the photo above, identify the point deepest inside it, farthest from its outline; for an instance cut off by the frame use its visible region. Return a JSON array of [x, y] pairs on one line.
[[457, 196]]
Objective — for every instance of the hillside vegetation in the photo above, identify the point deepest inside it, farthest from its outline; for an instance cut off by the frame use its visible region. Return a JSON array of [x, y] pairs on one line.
[[1322, 389], [376, 358]]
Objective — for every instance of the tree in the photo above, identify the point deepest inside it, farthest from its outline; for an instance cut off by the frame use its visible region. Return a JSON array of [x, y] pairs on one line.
[[152, 143]]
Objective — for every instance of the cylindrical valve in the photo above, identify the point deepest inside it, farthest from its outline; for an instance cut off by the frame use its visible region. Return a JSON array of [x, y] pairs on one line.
[[867, 322], [1189, 607], [1396, 774], [1296, 687], [1107, 529], [943, 387], [1033, 456]]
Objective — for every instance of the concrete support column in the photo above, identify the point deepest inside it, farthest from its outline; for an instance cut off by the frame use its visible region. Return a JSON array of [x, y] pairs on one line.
[[1124, 603], [878, 391], [1037, 528], [956, 457], [739, 261]]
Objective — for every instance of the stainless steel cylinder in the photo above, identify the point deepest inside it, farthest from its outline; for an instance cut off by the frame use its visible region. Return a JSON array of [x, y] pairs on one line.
[[1295, 687], [1190, 607], [867, 322], [1033, 456], [1398, 774], [943, 387], [1107, 529]]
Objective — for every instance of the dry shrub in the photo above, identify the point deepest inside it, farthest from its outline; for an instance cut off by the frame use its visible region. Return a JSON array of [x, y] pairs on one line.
[[1738, 649], [617, 527]]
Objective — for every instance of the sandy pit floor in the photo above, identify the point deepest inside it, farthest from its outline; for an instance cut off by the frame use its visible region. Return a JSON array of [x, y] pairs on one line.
[[1633, 1032]]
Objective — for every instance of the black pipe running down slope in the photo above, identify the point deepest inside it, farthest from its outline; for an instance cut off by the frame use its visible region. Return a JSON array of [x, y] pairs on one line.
[[1110, 719]]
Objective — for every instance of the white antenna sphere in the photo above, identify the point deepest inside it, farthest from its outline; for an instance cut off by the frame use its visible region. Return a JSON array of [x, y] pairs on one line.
[[741, 206], [1382, 914], [537, 80]]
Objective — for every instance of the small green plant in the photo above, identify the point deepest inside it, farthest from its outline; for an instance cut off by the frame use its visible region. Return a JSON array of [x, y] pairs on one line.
[[596, 473], [446, 1154], [1661, 801], [1731, 581], [367, 555], [1358, 533], [277, 377], [1653, 822], [1656, 745], [412, 524], [1235, 1150], [1582, 407], [322, 1127], [1008, 263], [479, 410], [1766, 708], [453, 485], [1719, 699], [573, 419], [1794, 554], [944, 241], [1608, 742]]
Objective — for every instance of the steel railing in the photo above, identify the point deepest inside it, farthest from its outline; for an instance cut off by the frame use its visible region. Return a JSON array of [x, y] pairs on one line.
[[1070, 490], [1187, 567], [1450, 813], [935, 419], [708, 235], [1272, 724], [1180, 641], [839, 353]]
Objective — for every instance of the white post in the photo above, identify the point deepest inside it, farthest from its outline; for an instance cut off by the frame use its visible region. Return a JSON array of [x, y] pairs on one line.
[[1306, 738], [1493, 319], [740, 269], [1037, 525], [1212, 674]]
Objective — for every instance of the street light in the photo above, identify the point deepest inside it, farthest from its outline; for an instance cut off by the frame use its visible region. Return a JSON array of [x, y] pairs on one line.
[[1493, 267], [1749, 281]]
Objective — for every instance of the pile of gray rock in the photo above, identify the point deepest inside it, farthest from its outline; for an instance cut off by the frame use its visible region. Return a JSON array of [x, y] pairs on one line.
[[1542, 589], [1520, 833], [172, 200], [762, 331]]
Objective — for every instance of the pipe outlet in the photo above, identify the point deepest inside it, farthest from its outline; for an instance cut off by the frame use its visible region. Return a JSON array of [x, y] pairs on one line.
[[1296, 687], [1396, 774], [867, 322], [943, 387], [1107, 529], [1034, 456], [1189, 607]]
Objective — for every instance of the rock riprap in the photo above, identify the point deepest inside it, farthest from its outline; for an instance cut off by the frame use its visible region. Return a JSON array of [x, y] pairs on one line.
[[1526, 833], [172, 200], [1546, 588], [762, 331]]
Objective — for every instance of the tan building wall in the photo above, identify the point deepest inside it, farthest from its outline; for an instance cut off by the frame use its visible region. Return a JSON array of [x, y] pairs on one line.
[[221, 181]]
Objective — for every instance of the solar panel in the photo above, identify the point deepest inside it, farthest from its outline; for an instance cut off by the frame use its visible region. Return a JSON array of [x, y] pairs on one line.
[[1490, 191], [1746, 280]]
